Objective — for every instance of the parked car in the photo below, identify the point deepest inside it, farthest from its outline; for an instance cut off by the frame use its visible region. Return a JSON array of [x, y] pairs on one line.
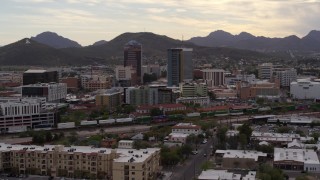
[[194, 152]]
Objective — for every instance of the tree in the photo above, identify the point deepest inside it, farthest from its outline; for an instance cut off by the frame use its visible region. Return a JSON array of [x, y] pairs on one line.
[[246, 130], [48, 136], [129, 109], [155, 112], [221, 134], [260, 101], [266, 172], [243, 141], [212, 95], [284, 129], [149, 77], [315, 136], [206, 165], [186, 150]]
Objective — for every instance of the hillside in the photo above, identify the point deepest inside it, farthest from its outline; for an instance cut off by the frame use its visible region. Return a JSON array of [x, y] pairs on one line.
[[311, 42], [54, 40], [153, 45], [29, 52]]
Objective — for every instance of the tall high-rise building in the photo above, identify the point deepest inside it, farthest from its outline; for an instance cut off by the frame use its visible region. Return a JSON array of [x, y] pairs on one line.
[[133, 57], [180, 65]]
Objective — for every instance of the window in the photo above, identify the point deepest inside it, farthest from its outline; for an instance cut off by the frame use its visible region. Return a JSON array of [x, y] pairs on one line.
[[133, 167], [133, 173]]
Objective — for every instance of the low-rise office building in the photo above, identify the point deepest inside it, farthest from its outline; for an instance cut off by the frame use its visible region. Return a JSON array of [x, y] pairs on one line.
[[274, 138], [305, 89], [110, 99], [53, 92], [202, 101], [165, 108], [296, 159], [193, 89], [211, 174], [244, 159], [80, 161], [21, 114], [186, 128]]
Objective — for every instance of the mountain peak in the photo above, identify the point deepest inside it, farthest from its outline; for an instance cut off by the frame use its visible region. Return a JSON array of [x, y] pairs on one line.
[[220, 33], [101, 42], [314, 34], [54, 40]]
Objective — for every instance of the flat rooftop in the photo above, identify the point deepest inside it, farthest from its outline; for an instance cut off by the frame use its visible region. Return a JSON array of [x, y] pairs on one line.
[[241, 154], [308, 156]]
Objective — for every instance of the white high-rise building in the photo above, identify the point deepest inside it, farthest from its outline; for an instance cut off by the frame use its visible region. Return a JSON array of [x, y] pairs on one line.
[[214, 77], [265, 70], [286, 76]]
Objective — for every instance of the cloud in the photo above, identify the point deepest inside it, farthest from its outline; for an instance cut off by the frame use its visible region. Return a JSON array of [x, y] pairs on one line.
[[170, 17], [155, 10]]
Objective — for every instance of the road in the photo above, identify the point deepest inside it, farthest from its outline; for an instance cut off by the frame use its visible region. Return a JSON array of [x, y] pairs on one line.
[[192, 167]]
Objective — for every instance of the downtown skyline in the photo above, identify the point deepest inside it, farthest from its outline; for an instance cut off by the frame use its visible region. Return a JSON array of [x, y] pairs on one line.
[[87, 21]]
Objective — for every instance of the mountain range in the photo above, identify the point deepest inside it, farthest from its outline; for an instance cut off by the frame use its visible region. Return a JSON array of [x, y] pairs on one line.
[[30, 52], [49, 48], [244, 40]]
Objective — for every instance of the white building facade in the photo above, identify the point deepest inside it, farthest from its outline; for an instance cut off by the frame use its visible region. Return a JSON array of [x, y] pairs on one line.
[[265, 70], [286, 76], [305, 89]]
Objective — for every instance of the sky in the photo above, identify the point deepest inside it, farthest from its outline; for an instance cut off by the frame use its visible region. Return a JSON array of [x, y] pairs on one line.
[[87, 21]]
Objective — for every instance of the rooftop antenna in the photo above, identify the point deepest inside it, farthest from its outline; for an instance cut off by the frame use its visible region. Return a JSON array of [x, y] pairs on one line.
[[182, 40]]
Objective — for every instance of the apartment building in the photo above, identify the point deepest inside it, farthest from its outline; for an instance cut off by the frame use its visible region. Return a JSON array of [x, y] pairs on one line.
[[80, 161], [141, 95], [214, 77], [286, 76]]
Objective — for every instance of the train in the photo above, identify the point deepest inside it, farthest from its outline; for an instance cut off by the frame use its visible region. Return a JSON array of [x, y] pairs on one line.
[[86, 123], [178, 117]]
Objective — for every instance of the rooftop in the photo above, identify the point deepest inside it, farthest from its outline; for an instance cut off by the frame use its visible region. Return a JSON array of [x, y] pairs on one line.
[[125, 155], [35, 71], [218, 174], [185, 126], [241, 154], [307, 156], [179, 135]]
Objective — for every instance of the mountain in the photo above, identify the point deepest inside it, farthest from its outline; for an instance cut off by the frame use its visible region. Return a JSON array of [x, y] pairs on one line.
[[30, 52], [244, 40], [101, 42], [54, 40]]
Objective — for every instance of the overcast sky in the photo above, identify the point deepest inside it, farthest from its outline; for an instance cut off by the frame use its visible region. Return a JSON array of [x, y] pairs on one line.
[[87, 21]]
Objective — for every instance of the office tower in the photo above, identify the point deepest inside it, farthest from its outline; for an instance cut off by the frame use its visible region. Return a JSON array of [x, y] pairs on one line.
[[39, 76], [214, 77], [133, 57], [180, 67], [265, 70]]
